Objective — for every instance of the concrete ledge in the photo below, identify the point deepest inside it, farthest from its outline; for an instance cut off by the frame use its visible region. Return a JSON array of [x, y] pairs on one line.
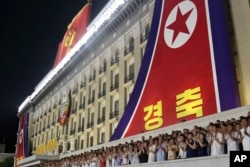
[[208, 161], [36, 159]]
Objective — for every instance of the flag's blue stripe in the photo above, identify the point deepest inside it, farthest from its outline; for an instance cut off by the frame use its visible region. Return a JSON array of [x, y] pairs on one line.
[[142, 74], [25, 135], [226, 77]]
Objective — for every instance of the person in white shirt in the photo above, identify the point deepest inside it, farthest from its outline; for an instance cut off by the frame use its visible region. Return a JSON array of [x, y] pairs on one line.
[[151, 151], [182, 146], [245, 132], [232, 138], [216, 141]]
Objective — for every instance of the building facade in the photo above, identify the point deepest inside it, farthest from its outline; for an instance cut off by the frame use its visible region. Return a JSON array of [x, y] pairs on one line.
[[100, 79], [101, 76]]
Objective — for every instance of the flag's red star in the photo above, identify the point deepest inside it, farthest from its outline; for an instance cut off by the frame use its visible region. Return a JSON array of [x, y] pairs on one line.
[[179, 25]]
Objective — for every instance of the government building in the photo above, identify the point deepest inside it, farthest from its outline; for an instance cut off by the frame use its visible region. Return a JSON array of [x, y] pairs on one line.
[[112, 85]]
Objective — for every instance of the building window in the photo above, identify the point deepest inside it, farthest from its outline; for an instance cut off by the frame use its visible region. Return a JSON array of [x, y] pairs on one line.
[[130, 47], [131, 44], [115, 82], [129, 68], [46, 137], [116, 106], [89, 115], [91, 141], [116, 52], [52, 134], [102, 137], [57, 132], [83, 122], [88, 140], [90, 122], [145, 33], [82, 101], [102, 92], [92, 117], [91, 95], [103, 111], [82, 144], [111, 129]]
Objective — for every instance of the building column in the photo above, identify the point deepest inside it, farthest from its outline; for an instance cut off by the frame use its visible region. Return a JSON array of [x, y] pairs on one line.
[[56, 152], [65, 145], [72, 144]]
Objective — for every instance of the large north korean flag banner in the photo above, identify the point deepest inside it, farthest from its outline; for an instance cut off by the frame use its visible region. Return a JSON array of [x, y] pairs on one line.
[[187, 71]]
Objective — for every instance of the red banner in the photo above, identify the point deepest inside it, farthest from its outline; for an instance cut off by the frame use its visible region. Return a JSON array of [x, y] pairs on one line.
[[75, 31], [22, 140], [65, 107], [180, 83]]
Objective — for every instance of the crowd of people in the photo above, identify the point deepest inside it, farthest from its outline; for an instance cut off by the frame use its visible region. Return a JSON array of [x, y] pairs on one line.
[[219, 137]]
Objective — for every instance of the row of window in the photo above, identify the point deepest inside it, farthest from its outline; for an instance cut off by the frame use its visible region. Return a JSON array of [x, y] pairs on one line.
[[100, 134], [91, 88], [46, 124], [103, 67]]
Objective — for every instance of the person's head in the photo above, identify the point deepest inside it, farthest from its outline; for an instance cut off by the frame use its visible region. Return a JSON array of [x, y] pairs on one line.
[[210, 127], [186, 134], [195, 127], [152, 141], [223, 126], [125, 148], [216, 127], [131, 148], [202, 136], [165, 140], [190, 135], [248, 117], [237, 126], [232, 120], [182, 138], [174, 134], [138, 144], [171, 141], [199, 129], [160, 139], [244, 122], [204, 131], [230, 127], [156, 141], [194, 132]]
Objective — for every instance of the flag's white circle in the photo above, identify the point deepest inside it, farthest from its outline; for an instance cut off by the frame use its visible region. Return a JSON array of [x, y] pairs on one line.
[[181, 38]]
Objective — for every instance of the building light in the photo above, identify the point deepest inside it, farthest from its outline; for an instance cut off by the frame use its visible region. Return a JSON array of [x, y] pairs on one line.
[[111, 7]]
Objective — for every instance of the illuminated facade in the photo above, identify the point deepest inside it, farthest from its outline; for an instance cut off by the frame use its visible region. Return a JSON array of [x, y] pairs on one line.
[[100, 78]]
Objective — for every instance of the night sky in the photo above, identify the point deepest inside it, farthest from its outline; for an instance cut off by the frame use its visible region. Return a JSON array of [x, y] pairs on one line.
[[30, 31]]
